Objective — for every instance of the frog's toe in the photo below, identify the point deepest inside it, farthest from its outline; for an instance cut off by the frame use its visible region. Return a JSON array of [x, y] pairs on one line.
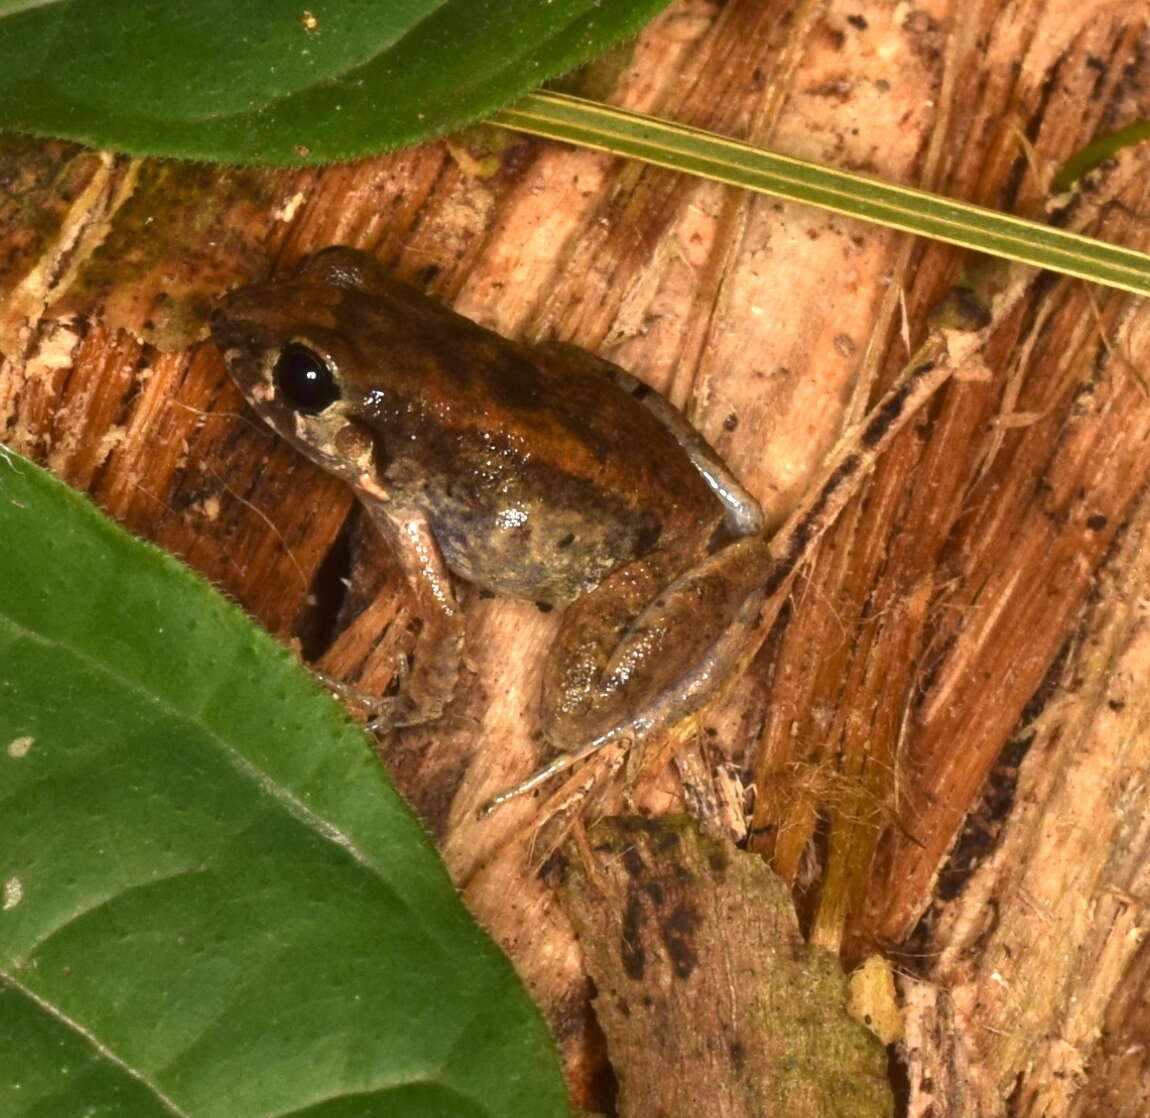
[[393, 712]]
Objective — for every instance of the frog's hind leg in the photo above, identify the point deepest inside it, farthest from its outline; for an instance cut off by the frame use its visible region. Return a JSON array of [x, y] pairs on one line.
[[591, 630], [636, 657], [664, 661]]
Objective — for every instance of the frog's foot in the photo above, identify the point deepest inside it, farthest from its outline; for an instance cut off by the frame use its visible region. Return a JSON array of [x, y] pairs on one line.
[[393, 711], [346, 692], [559, 764], [404, 705]]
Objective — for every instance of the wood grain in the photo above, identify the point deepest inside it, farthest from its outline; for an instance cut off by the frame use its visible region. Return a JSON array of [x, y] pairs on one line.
[[945, 731]]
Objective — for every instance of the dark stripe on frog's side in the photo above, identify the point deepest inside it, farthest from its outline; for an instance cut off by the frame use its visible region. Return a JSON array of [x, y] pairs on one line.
[[642, 457], [466, 372], [471, 440], [516, 383]]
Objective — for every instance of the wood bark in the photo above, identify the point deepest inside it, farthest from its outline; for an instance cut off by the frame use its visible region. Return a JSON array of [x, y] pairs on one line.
[[947, 730]]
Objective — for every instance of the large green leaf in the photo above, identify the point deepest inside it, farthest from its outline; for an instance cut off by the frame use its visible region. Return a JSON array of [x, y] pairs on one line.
[[264, 81], [214, 903]]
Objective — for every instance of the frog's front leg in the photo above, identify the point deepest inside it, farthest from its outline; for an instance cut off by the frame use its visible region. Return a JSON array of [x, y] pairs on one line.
[[634, 660], [430, 683]]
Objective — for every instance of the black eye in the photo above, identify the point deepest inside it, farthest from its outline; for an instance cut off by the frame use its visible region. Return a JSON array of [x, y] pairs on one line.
[[303, 379]]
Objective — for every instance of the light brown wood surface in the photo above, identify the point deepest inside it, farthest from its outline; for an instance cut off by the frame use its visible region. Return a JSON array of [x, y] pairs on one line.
[[947, 729]]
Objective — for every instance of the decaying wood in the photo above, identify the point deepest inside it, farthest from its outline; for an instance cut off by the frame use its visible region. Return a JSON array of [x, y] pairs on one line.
[[710, 1000], [945, 730]]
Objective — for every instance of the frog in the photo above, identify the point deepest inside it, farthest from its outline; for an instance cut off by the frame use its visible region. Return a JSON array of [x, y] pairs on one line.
[[534, 470]]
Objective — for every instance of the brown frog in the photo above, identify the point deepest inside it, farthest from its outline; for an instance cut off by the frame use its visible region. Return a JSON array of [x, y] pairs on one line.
[[536, 471]]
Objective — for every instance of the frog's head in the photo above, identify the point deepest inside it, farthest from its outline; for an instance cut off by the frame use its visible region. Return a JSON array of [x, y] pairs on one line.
[[290, 349]]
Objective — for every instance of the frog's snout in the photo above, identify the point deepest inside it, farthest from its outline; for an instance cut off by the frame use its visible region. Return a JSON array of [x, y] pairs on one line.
[[224, 331], [242, 346]]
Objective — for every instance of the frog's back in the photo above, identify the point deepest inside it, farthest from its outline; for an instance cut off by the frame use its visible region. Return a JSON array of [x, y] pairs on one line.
[[538, 474]]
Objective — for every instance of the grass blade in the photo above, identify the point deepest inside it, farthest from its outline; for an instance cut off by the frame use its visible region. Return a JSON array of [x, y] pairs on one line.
[[681, 148]]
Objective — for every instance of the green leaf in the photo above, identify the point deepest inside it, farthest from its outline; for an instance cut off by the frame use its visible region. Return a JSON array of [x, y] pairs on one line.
[[666, 144], [214, 903], [260, 82]]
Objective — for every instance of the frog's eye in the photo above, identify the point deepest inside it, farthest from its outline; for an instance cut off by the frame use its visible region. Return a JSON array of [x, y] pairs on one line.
[[303, 379]]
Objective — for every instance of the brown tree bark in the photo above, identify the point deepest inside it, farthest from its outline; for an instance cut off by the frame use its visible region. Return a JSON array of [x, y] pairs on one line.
[[947, 729]]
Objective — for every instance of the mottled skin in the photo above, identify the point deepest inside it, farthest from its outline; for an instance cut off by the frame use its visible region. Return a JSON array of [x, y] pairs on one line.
[[540, 472]]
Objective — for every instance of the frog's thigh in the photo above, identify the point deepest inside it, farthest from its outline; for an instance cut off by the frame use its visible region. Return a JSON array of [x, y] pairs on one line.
[[589, 632], [668, 655], [438, 648], [743, 516]]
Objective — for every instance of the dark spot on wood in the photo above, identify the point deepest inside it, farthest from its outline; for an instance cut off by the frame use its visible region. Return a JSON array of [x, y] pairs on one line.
[[720, 535], [919, 22], [554, 871], [566, 541], [315, 625], [633, 862], [738, 1053], [777, 576], [544, 607], [802, 533], [485, 593], [425, 276], [893, 408], [859, 23], [1096, 522], [184, 500], [731, 422], [678, 936], [962, 309], [641, 391], [1116, 704], [631, 947]]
